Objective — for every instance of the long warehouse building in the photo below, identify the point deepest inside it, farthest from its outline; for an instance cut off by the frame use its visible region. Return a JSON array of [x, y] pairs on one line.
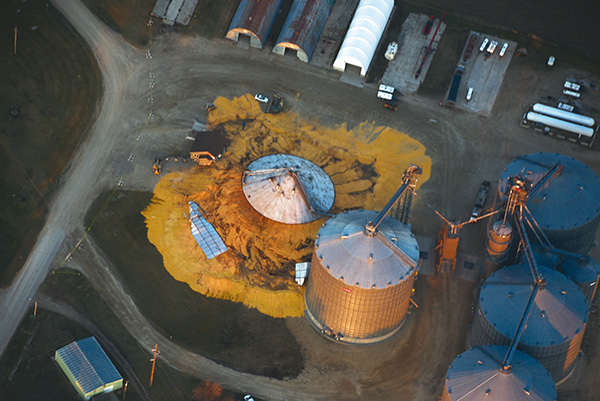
[[561, 124], [564, 115]]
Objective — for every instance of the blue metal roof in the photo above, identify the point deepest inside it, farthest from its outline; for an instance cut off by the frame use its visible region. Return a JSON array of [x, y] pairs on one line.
[[205, 234], [255, 17], [581, 271], [570, 199], [89, 364], [475, 375], [558, 314]]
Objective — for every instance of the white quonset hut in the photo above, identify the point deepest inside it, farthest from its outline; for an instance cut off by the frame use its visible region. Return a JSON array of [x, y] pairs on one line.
[[360, 285], [362, 38], [477, 375], [556, 322]]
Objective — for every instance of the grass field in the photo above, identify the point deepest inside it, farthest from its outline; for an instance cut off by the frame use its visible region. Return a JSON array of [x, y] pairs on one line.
[[52, 84], [226, 332], [38, 377]]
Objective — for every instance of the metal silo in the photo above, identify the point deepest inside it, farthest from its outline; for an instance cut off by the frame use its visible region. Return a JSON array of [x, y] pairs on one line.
[[360, 283], [567, 205], [499, 238], [556, 322], [477, 374], [585, 273]]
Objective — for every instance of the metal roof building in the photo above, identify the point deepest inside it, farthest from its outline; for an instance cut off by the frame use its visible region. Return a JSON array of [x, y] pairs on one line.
[[362, 38], [360, 285], [476, 375], [303, 27], [254, 18], [555, 325], [88, 368], [567, 207], [288, 189]]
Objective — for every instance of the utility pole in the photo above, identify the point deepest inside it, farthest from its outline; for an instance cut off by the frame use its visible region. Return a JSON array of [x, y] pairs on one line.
[[15, 48], [125, 388], [153, 360], [35, 310]]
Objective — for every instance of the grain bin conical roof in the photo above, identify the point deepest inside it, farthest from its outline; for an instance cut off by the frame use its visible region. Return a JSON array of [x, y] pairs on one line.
[[288, 189], [475, 375]]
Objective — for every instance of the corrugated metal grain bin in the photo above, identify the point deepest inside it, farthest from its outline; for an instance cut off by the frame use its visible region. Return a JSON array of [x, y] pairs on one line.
[[476, 375], [360, 285], [555, 325], [567, 207], [584, 273]]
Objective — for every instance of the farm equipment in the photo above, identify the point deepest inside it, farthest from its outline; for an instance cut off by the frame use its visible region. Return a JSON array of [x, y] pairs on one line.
[[157, 166], [390, 106]]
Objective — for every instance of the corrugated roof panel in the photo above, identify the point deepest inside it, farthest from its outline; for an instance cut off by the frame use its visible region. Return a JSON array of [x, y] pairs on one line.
[[256, 17], [89, 364], [205, 234]]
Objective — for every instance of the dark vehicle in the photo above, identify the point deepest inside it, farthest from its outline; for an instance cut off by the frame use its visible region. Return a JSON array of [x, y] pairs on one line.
[[427, 27], [481, 197], [390, 106]]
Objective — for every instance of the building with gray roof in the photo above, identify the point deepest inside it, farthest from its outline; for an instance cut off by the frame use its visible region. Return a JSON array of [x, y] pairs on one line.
[[254, 18]]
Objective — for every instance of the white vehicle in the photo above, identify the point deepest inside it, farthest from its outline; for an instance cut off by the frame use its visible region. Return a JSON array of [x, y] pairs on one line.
[[248, 397], [387, 88], [572, 86], [492, 47], [391, 51], [483, 44], [503, 50], [567, 107], [469, 94], [385, 96], [571, 93], [551, 60], [261, 98]]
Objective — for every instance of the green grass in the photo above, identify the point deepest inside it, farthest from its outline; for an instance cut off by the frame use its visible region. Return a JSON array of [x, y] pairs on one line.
[[53, 82], [224, 331]]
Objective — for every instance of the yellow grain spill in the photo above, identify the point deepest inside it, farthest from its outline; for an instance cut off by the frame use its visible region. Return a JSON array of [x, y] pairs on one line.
[[365, 164]]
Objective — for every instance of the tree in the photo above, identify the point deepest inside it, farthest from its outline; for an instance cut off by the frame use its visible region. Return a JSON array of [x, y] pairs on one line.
[[207, 391]]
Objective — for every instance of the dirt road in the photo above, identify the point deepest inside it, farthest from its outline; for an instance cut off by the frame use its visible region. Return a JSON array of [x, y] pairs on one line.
[[190, 72]]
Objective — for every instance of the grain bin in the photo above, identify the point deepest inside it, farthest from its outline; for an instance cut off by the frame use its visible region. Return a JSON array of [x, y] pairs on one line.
[[477, 374], [499, 238], [584, 272], [360, 283], [556, 323], [288, 189], [567, 205]]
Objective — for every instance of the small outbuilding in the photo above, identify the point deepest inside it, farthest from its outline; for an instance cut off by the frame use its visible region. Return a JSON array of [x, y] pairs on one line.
[[88, 368], [208, 147], [254, 18]]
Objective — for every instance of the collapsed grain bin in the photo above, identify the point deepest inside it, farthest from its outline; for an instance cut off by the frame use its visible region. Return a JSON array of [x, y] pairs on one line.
[[303, 27], [567, 205], [361, 278], [254, 18], [556, 322], [478, 374], [288, 189]]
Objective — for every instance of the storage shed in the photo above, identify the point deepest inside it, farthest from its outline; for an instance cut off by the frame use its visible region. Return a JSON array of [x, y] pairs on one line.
[[303, 27], [254, 18], [88, 368], [362, 38], [208, 147]]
